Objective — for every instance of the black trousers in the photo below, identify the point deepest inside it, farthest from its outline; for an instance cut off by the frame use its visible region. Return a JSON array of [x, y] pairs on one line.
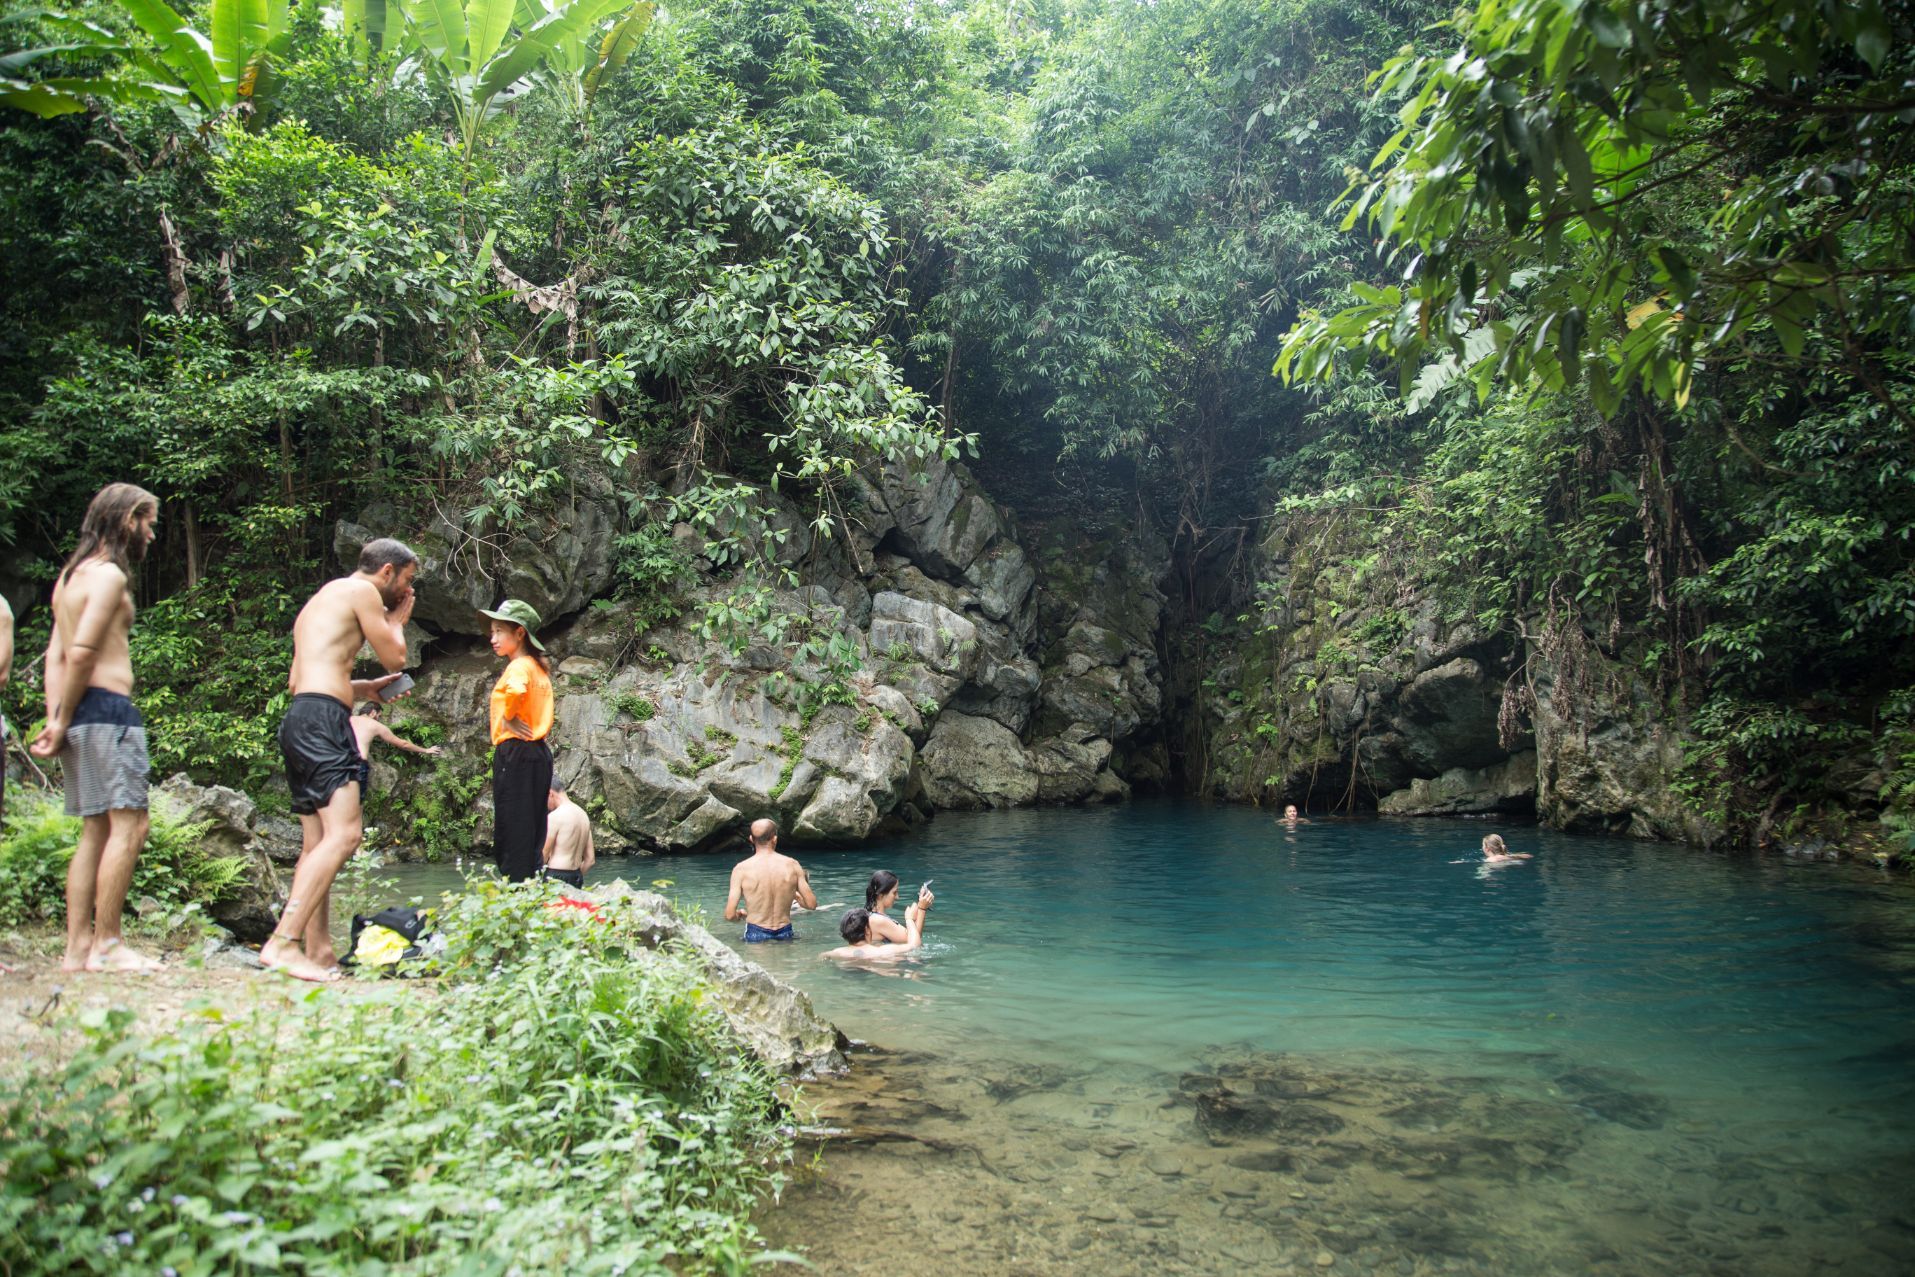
[[521, 777]]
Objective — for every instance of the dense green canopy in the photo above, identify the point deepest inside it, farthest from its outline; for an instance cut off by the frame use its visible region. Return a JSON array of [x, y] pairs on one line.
[[1636, 275]]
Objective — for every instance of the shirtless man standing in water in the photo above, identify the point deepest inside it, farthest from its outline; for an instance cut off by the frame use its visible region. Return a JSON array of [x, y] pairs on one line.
[[569, 850], [93, 725], [322, 754], [769, 882]]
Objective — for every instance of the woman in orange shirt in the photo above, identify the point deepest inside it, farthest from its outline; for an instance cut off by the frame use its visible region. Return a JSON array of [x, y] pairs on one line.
[[521, 760]]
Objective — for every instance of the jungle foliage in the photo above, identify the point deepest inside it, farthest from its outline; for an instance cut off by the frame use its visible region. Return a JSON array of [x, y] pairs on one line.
[[1597, 310], [561, 1060]]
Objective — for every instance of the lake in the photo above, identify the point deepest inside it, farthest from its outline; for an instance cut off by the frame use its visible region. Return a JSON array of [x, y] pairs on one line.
[[1173, 1036]]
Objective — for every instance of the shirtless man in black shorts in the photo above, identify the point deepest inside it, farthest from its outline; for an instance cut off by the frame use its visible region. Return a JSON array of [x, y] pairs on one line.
[[93, 726], [322, 754]]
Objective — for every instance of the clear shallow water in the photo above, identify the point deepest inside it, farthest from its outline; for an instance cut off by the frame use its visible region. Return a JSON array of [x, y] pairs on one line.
[[1685, 1063]]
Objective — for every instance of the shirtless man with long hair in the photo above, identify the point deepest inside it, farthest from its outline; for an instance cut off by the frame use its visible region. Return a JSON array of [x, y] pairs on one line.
[[93, 725], [322, 753]]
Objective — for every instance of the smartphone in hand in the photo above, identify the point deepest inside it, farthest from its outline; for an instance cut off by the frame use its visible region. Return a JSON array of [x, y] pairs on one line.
[[395, 689]]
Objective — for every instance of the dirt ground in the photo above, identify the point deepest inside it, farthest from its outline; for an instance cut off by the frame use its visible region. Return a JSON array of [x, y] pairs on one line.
[[40, 1005]]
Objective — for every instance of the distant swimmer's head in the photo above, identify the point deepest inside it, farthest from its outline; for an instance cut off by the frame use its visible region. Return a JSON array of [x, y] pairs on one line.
[[855, 926], [883, 883], [1290, 811], [1493, 845]]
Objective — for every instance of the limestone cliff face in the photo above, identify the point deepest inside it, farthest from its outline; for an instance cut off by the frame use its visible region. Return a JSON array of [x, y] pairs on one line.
[[1343, 688], [979, 678]]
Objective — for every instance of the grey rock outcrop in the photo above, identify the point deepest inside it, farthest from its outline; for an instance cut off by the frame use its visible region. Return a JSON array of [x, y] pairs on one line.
[[773, 1019], [1604, 763], [973, 763], [250, 908], [916, 664], [1508, 786]]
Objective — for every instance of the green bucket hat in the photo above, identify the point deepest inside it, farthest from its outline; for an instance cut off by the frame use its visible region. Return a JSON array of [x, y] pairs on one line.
[[518, 612]]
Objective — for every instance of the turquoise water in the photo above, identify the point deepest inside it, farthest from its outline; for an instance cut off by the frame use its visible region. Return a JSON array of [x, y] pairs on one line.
[[1664, 1025]]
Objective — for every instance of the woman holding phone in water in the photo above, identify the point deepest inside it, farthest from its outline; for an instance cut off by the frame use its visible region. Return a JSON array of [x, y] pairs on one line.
[[521, 760], [880, 894]]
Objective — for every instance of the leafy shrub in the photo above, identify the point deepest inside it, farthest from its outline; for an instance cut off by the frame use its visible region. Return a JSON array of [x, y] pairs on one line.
[[635, 707], [38, 842], [438, 819], [570, 1102]]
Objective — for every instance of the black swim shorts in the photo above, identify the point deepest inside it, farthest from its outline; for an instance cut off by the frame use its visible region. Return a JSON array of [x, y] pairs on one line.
[[321, 755]]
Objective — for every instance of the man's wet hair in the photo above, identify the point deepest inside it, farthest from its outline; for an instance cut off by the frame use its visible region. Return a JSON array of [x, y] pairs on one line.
[[557, 786], [881, 881], [770, 831], [855, 925], [385, 552], [103, 530]]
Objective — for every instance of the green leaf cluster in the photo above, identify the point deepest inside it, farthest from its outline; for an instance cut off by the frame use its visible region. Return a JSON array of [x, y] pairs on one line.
[[561, 1061]]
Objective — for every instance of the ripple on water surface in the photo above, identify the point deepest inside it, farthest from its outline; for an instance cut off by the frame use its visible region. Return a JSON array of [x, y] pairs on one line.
[[1174, 1037]]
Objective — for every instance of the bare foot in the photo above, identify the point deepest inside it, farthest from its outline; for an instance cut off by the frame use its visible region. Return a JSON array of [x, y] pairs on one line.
[[277, 955], [77, 952], [114, 955]]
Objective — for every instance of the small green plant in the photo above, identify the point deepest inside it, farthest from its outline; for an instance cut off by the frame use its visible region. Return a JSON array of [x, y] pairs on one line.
[[439, 820], [862, 723], [899, 652], [657, 655], [813, 697], [651, 571], [174, 870], [698, 758], [634, 707], [928, 708], [794, 749]]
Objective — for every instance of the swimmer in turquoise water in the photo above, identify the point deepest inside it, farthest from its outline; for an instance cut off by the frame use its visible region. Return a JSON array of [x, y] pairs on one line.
[[879, 895], [1496, 852], [864, 946]]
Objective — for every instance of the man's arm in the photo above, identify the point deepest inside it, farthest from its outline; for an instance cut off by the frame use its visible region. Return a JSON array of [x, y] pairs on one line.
[[551, 842], [806, 896], [384, 628], [102, 587], [6, 641], [371, 689], [591, 849], [732, 912], [394, 739]]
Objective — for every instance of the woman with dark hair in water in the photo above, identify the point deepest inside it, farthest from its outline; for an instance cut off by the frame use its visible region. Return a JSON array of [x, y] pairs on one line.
[[880, 894]]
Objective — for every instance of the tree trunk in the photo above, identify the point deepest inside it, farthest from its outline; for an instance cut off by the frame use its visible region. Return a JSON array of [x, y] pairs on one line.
[[189, 520]]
